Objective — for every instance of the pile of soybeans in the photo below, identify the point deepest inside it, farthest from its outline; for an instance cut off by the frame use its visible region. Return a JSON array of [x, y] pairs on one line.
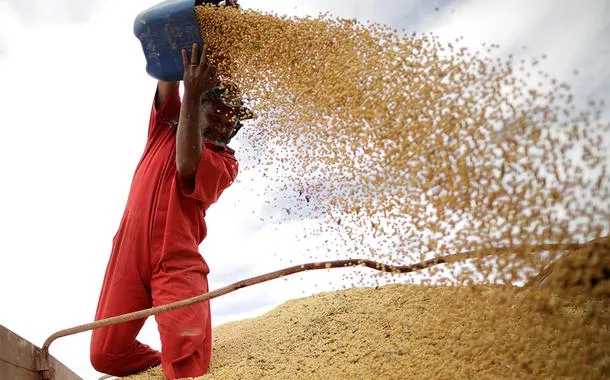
[[417, 332], [410, 148]]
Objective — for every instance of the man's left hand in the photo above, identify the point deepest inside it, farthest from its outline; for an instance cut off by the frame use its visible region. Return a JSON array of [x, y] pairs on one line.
[[199, 75]]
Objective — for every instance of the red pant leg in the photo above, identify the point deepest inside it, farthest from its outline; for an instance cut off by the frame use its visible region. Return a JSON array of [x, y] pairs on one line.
[[186, 334], [114, 349]]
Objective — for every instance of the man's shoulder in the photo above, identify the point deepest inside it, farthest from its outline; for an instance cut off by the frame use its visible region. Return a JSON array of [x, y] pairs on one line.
[[225, 158]]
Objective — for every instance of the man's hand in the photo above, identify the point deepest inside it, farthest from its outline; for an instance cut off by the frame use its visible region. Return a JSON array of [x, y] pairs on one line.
[[199, 75]]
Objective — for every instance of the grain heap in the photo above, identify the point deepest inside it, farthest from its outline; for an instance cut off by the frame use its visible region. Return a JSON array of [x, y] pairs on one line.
[[415, 332], [411, 148]]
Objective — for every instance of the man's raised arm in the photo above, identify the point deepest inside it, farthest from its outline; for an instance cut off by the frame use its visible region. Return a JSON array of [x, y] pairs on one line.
[[199, 77], [164, 89]]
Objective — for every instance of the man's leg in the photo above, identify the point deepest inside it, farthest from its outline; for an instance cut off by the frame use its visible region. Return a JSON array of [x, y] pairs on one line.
[[186, 334], [114, 349]]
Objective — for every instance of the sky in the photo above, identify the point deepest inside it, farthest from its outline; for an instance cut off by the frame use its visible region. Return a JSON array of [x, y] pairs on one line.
[[75, 101]]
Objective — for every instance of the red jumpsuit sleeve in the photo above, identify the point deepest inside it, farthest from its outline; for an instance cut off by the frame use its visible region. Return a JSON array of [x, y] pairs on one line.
[[215, 173], [167, 111]]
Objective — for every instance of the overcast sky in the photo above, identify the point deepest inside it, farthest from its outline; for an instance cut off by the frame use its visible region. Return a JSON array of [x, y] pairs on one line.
[[75, 101]]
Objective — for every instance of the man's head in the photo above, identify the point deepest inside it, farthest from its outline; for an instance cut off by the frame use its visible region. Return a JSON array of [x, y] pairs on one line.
[[222, 111]]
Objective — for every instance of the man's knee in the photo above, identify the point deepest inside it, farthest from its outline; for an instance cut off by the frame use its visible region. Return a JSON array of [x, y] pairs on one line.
[[113, 364], [101, 361], [98, 356]]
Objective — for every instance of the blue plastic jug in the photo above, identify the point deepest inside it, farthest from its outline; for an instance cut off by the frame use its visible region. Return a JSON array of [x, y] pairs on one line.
[[164, 30]]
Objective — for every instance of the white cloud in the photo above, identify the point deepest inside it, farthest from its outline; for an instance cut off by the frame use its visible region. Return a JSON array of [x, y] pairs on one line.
[[572, 35]]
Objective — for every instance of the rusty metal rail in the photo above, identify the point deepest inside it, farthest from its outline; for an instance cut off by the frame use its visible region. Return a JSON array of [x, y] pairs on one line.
[[46, 372]]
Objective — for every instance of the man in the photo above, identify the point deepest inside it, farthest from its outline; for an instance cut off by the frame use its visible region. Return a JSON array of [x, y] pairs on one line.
[[185, 167]]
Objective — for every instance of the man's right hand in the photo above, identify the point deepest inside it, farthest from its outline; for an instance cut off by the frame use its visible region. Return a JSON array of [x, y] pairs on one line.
[[199, 75]]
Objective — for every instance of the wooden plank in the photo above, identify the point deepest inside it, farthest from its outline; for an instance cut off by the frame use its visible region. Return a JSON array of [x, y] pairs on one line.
[[18, 359], [16, 350], [62, 372], [9, 371]]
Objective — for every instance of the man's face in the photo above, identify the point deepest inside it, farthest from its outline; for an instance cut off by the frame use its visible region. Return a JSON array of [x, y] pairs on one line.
[[217, 120]]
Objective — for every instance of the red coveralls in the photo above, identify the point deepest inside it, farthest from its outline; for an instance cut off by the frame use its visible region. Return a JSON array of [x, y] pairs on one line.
[[155, 258]]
